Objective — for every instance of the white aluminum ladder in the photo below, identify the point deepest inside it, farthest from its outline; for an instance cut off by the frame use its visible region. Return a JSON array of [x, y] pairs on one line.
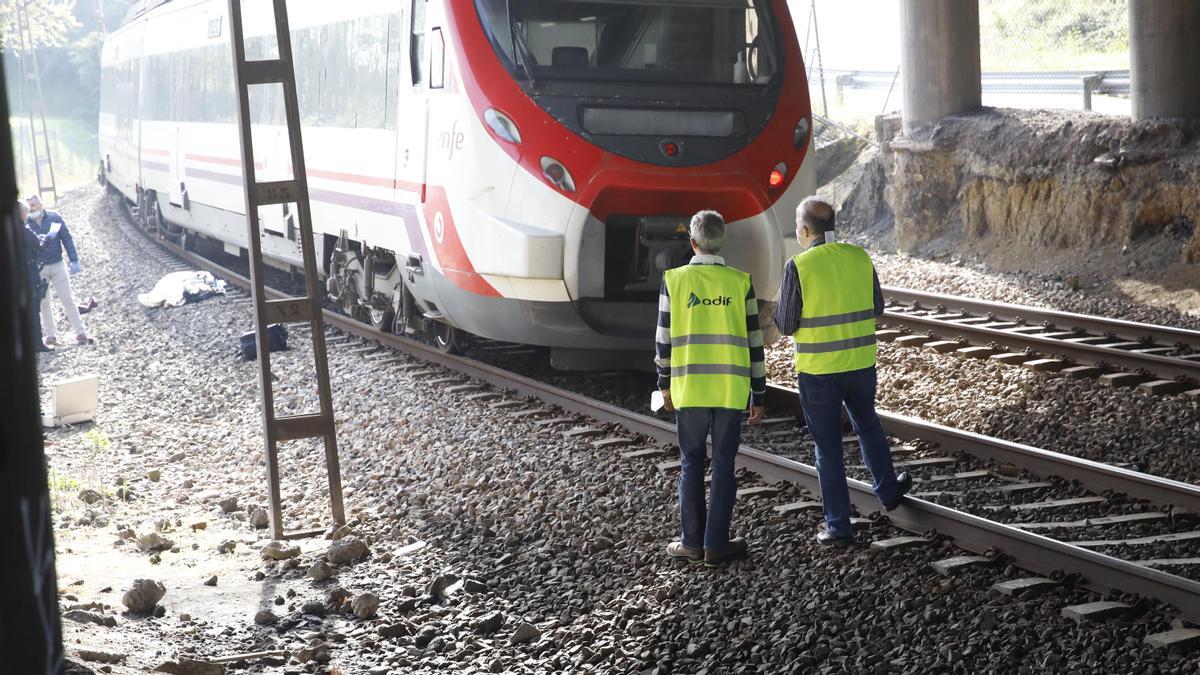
[[305, 309], [35, 107]]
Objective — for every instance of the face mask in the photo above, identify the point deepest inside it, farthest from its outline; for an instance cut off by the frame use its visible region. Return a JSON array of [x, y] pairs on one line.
[[35, 214]]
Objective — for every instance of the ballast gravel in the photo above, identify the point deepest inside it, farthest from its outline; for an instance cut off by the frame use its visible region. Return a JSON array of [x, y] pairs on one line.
[[485, 542]]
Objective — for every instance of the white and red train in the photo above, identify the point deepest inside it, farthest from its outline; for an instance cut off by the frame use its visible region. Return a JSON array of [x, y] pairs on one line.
[[521, 170]]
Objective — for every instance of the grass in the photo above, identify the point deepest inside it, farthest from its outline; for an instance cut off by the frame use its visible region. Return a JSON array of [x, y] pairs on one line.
[[64, 488], [74, 152]]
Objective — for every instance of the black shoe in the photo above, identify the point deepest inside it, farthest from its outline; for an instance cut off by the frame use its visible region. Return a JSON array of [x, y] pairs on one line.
[[903, 485], [718, 557], [826, 539]]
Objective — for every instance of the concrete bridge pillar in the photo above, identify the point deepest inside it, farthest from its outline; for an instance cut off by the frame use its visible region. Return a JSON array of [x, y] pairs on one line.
[[939, 59], [1164, 46]]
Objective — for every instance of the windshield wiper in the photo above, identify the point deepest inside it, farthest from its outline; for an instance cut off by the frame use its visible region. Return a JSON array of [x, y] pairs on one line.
[[519, 47]]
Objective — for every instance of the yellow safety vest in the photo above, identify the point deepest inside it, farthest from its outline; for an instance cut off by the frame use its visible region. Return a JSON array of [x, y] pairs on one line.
[[837, 317], [710, 350]]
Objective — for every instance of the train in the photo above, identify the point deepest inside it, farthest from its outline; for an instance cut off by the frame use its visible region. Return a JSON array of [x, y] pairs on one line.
[[517, 170]]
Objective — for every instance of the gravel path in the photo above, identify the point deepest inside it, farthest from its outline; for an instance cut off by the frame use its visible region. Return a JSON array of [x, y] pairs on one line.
[[486, 542]]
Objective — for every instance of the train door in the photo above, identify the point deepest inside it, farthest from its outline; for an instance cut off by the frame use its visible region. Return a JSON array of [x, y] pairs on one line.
[[127, 107], [174, 122], [138, 97], [413, 115], [411, 159]]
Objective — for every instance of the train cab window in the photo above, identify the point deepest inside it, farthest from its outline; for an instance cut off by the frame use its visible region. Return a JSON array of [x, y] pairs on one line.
[[711, 42], [416, 57], [437, 59]]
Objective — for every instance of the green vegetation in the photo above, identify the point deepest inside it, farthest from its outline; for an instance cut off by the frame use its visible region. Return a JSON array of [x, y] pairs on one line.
[[62, 490], [73, 150], [68, 36], [1032, 35], [51, 21], [99, 441]]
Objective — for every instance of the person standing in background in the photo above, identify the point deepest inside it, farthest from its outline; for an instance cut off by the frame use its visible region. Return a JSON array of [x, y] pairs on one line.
[[33, 266], [55, 238]]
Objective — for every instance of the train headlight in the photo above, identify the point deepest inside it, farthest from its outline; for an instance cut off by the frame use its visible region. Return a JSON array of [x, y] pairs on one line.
[[502, 125], [557, 174], [802, 129], [775, 180]]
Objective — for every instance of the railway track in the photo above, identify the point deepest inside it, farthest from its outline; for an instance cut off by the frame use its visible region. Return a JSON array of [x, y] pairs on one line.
[[1156, 359], [1081, 518]]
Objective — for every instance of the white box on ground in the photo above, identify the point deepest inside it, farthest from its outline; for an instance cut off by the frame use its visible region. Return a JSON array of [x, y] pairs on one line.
[[72, 401]]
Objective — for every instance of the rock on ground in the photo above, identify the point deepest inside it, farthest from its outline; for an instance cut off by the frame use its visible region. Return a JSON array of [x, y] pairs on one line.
[[346, 550], [143, 595]]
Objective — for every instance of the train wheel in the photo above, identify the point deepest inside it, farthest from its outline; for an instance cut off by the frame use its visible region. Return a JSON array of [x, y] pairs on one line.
[[450, 339], [382, 319], [342, 284], [165, 229]]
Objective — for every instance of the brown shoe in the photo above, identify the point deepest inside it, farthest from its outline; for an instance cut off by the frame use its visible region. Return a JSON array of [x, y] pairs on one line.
[[50, 342], [678, 551], [83, 340], [718, 557]]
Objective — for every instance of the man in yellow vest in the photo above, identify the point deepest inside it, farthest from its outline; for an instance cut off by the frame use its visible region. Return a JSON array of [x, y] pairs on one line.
[[828, 302], [710, 367]]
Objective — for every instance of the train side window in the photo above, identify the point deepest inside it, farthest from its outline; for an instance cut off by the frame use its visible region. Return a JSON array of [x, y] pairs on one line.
[[416, 57], [391, 93], [437, 59], [306, 51], [369, 40]]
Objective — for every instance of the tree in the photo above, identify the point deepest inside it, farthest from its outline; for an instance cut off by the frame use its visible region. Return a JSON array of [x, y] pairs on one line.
[[51, 22]]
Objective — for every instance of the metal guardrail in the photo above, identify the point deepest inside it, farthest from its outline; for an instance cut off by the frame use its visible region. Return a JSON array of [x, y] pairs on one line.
[[1082, 82], [834, 131]]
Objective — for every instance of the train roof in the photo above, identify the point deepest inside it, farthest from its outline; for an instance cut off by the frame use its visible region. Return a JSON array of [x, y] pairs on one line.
[[141, 7]]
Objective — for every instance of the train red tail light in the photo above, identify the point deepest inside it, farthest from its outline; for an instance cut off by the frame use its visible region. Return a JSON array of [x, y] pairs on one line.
[[557, 174], [775, 180], [502, 126]]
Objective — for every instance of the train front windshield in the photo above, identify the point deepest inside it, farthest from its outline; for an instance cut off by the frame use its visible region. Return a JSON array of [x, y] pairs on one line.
[[699, 41]]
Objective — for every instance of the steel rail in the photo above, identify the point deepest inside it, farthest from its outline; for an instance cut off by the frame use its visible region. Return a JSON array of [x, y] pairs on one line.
[[1096, 476], [1026, 550], [1098, 325], [1164, 367]]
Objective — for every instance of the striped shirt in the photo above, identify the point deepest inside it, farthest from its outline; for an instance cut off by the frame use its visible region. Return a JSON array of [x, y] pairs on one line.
[[662, 339], [791, 300]]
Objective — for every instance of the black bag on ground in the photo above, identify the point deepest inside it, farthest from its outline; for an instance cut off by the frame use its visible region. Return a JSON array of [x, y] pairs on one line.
[[276, 341]]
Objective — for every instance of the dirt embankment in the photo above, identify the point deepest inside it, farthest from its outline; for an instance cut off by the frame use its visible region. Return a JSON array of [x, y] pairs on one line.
[[1046, 179]]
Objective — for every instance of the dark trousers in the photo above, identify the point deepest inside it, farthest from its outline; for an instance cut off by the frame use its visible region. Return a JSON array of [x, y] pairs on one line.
[[707, 528], [35, 304], [823, 397]]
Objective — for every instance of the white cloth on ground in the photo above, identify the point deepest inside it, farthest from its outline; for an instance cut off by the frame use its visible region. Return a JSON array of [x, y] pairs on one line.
[[178, 288]]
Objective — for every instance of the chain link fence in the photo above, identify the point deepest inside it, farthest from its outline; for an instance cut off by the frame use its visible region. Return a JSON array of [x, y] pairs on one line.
[[1048, 54]]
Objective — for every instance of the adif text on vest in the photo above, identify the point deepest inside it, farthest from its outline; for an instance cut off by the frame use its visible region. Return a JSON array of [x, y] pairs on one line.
[[722, 301]]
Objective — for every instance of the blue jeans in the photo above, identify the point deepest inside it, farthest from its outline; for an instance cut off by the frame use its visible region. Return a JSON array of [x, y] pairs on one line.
[[694, 424], [822, 397]]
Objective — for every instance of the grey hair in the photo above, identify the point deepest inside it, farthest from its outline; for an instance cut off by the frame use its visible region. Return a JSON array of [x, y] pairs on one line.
[[707, 229], [817, 213], [22, 205]]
